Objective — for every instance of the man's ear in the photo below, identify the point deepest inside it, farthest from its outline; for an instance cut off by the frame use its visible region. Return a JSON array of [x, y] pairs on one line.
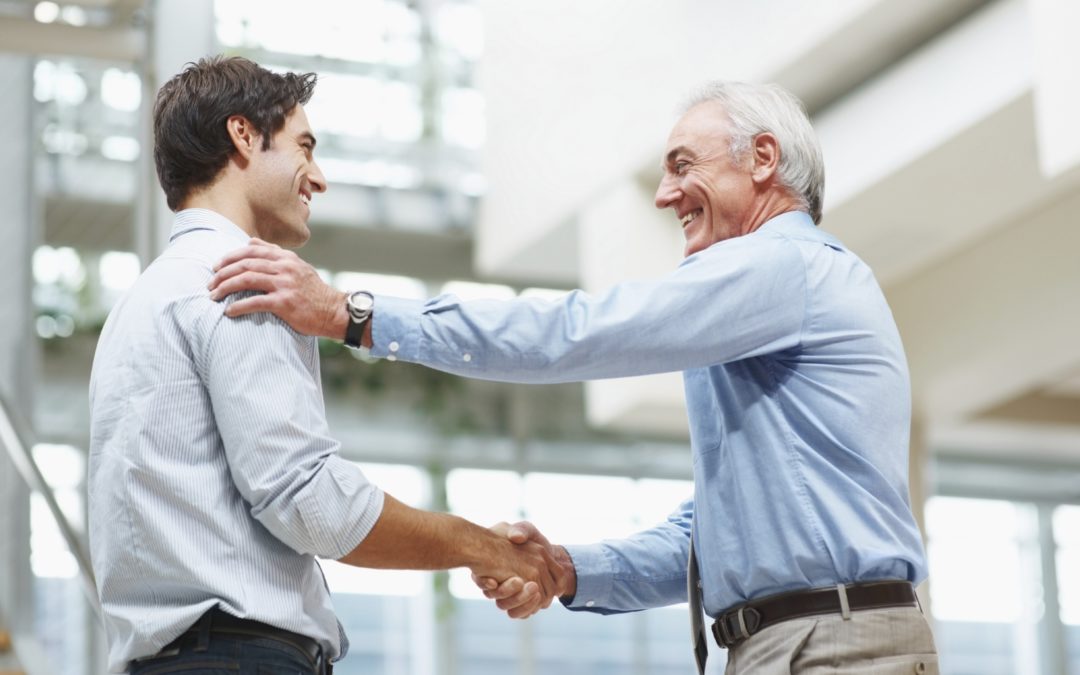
[[243, 135], [765, 153]]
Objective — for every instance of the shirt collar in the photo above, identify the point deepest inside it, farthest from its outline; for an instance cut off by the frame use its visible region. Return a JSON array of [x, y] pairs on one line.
[[189, 220], [799, 225]]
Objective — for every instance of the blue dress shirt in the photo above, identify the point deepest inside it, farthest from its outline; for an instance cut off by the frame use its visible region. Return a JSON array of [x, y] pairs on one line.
[[213, 480], [798, 398]]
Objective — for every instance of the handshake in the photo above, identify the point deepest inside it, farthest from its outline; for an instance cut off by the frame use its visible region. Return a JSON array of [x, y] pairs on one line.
[[532, 571]]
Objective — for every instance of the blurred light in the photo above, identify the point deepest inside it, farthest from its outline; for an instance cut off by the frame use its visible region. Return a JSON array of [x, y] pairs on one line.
[[356, 34], [74, 15], [65, 326], [46, 12], [373, 173], [60, 82], [381, 284], [121, 89], [402, 120], [63, 466], [347, 104], [461, 27], [473, 184], [44, 80], [463, 117], [118, 270], [60, 141], [49, 554], [58, 266], [120, 148], [470, 290], [403, 176], [46, 327]]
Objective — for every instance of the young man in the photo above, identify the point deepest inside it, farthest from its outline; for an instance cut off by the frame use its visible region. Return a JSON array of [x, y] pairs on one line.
[[214, 481]]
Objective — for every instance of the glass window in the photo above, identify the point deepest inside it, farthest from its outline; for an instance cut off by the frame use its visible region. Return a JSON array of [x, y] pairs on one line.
[[1067, 538], [385, 613], [985, 596]]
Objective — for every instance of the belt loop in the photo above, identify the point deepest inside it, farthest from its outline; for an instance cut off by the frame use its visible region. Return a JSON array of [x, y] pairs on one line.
[[845, 608], [202, 644], [742, 624]]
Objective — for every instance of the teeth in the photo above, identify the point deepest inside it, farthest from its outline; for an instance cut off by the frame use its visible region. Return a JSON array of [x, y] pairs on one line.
[[688, 217], [305, 199]]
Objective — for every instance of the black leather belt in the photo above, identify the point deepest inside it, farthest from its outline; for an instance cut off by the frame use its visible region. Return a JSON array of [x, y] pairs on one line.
[[218, 622], [739, 623]]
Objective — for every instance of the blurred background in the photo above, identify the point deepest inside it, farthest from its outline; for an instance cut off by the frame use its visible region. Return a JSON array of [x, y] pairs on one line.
[[495, 149]]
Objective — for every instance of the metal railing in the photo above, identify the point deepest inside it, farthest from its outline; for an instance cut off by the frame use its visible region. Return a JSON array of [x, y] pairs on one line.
[[24, 463]]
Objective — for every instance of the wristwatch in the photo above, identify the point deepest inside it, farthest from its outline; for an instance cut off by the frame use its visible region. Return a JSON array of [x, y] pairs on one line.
[[360, 305]]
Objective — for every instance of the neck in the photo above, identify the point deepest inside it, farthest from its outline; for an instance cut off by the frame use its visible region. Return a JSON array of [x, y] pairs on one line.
[[772, 204], [220, 199]]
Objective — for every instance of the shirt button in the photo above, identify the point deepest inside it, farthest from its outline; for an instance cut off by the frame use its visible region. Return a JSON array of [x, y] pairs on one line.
[[590, 603], [394, 346], [391, 358], [467, 357]]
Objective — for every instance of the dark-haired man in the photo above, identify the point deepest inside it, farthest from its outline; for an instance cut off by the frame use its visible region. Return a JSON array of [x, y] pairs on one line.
[[213, 480]]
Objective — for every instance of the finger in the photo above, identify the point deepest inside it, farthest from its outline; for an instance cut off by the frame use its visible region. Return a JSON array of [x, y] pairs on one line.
[[485, 583], [523, 531], [256, 249], [528, 596], [252, 305], [524, 611], [263, 265], [506, 589], [246, 281]]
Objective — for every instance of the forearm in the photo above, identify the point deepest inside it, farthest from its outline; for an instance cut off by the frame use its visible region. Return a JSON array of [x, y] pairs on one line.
[[408, 538]]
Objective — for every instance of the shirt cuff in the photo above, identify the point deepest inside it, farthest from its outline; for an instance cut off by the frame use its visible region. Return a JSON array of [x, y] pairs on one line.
[[395, 328], [594, 576]]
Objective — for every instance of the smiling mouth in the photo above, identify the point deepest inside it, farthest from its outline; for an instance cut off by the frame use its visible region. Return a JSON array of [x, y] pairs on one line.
[[690, 217], [305, 199]]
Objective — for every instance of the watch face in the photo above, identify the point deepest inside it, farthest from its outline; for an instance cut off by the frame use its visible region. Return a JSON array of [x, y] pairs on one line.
[[361, 302]]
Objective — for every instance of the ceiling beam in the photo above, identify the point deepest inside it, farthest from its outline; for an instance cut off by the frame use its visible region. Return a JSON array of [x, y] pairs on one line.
[[25, 36]]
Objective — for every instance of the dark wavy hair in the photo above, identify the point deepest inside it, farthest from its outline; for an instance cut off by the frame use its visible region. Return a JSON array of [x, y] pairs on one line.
[[191, 142]]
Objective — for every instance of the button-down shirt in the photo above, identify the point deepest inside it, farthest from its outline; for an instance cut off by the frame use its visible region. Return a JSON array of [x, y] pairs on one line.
[[798, 398], [213, 481]]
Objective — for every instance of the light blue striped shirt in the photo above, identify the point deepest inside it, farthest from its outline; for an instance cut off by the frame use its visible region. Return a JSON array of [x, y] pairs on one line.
[[213, 480], [799, 408]]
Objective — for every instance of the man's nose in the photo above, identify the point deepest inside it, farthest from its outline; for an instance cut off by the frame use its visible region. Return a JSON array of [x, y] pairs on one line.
[[316, 178], [667, 193]]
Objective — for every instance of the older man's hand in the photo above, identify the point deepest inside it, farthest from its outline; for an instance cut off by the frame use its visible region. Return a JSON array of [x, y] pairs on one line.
[[291, 288], [514, 595]]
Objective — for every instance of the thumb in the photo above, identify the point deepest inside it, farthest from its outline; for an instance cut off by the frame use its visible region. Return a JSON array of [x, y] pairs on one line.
[[519, 533]]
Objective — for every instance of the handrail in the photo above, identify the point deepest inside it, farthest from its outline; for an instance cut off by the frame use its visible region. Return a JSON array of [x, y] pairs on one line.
[[31, 474]]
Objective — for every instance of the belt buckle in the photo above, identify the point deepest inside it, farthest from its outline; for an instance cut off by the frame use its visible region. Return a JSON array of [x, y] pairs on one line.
[[728, 635]]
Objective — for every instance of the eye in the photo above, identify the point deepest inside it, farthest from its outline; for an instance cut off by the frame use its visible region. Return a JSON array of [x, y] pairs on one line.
[[681, 166]]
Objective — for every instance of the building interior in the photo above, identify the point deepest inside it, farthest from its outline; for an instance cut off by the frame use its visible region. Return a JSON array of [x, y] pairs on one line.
[[497, 149]]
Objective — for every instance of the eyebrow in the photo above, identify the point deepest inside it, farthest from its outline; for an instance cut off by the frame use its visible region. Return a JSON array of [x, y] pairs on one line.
[[675, 152]]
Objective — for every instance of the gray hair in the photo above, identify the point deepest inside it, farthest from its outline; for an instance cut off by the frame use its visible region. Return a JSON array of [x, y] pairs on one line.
[[753, 109]]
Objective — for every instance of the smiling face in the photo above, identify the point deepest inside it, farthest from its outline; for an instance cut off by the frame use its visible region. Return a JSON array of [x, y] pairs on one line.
[[282, 180], [713, 196]]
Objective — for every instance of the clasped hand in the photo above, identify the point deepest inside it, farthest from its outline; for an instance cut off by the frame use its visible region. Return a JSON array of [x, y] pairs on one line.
[[520, 596]]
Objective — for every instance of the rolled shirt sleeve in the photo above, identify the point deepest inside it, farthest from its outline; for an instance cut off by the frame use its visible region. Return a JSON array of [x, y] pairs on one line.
[[264, 385]]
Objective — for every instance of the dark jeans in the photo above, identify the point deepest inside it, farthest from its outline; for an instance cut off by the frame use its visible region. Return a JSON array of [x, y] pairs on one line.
[[222, 653]]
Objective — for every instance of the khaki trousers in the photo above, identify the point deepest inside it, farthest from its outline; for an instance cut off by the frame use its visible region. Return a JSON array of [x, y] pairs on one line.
[[894, 641]]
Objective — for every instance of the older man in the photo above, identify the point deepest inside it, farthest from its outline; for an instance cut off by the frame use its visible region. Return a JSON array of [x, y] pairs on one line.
[[796, 386]]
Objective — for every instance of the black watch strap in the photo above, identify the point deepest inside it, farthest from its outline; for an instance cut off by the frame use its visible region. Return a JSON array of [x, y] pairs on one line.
[[359, 306]]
